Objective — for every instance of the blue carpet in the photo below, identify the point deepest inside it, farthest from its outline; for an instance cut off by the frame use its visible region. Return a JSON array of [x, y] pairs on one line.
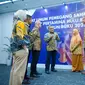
[[62, 77]]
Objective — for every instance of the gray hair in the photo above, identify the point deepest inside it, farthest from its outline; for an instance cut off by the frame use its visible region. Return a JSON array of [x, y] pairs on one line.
[[50, 27], [37, 21], [21, 14]]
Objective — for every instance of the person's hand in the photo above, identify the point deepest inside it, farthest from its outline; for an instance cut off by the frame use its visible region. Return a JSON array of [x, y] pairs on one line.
[[57, 36], [51, 37], [71, 50], [25, 48]]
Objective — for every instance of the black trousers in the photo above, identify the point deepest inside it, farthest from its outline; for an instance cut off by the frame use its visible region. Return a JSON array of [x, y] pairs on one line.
[[27, 64], [35, 58], [50, 54]]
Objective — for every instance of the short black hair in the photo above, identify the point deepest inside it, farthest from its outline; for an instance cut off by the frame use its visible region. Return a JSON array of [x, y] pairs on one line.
[[29, 16]]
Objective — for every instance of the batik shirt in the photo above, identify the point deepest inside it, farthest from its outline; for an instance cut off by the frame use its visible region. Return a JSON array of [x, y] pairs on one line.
[[51, 42]]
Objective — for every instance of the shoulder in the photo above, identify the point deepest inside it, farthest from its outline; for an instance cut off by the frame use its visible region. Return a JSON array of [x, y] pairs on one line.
[[55, 33], [46, 33], [34, 30], [20, 23]]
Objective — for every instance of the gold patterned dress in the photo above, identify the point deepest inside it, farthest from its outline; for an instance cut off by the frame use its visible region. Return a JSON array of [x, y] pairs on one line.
[[76, 50]]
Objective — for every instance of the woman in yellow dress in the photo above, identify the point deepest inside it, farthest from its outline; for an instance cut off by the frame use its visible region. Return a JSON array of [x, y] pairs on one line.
[[21, 54], [76, 50]]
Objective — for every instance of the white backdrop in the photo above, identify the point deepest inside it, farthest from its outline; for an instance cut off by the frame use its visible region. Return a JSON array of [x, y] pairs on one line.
[[6, 21]]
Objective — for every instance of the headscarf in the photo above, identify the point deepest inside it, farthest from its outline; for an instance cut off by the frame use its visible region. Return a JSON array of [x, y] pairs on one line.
[[76, 38]]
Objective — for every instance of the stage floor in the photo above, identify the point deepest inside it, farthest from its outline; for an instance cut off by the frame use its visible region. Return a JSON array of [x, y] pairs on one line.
[[62, 77]]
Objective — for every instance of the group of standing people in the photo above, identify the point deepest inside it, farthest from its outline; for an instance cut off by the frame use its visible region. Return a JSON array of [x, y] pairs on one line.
[[30, 41], [23, 41]]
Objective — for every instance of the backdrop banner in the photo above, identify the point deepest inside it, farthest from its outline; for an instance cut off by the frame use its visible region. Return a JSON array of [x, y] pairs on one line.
[[64, 18]]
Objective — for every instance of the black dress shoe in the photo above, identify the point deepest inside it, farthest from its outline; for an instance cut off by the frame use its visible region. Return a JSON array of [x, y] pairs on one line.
[[53, 70], [79, 71], [37, 73], [27, 78], [26, 82], [73, 71], [34, 76], [47, 72]]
